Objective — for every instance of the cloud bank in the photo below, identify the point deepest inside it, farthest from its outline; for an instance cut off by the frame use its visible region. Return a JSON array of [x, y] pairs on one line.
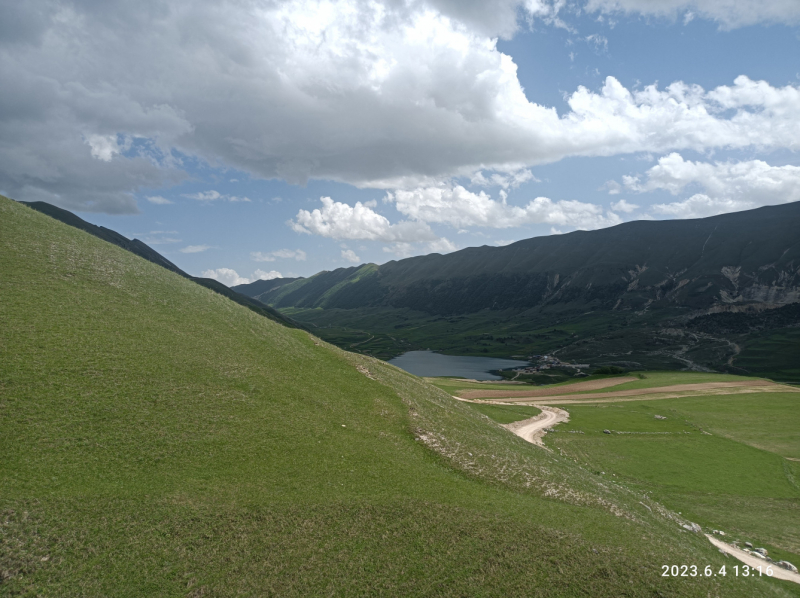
[[726, 186], [101, 101], [729, 13]]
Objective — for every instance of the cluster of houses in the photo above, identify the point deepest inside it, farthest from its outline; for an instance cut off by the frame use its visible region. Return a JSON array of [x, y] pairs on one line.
[[546, 362]]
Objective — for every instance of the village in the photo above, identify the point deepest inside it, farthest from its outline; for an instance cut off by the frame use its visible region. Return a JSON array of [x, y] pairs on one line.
[[546, 362]]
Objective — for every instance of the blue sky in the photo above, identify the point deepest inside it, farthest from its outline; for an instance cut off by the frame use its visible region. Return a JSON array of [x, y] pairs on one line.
[[284, 138]]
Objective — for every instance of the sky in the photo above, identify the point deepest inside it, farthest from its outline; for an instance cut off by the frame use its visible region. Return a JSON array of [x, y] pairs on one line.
[[248, 139]]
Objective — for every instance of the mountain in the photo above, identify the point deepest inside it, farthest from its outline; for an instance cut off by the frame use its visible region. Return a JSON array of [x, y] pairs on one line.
[[158, 439], [141, 249], [743, 258], [262, 287], [633, 275]]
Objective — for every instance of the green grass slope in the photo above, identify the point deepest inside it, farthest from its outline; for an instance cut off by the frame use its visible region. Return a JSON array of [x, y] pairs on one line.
[[157, 439]]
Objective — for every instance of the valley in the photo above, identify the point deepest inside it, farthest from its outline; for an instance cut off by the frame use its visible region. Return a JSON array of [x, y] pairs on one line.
[[712, 294]]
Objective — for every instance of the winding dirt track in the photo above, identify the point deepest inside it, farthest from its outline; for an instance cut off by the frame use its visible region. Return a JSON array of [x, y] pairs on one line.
[[532, 429], [755, 562], [660, 392]]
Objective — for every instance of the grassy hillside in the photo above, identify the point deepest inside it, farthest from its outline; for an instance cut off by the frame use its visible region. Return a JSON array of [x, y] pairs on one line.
[[158, 439]]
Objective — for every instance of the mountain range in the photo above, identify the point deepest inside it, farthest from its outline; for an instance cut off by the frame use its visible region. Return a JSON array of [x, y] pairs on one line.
[[625, 294]]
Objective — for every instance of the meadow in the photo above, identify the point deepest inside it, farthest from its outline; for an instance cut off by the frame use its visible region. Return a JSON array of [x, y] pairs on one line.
[[727, 462], [158, 439]]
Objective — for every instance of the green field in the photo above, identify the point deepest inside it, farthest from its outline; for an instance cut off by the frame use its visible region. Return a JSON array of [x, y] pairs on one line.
[[718, 460], [158, 439]]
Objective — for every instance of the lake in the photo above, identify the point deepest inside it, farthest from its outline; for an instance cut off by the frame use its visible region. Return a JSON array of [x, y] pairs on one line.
[[428, 363]]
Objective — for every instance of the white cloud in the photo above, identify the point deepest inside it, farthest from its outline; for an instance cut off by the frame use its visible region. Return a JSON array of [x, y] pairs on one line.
[[730, 13], [297, 254], [513, 179], [195, 248], [103, 147], [383, 93], [212, 195], [350, 256], [599, 42], [504, 242], [624, 206], [158, 200], [340, 221], [230, 277], [700, 205], [726, 186], [261, 275], [442, 245], [462, 208], [226, 276]]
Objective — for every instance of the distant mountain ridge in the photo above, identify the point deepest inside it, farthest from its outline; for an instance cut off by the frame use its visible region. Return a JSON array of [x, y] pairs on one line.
[[702, 265], [143, 250]]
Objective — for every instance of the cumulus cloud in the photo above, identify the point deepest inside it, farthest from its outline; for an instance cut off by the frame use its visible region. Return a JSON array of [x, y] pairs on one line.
[[462, 208], [195, 248], [103, 147], [442, 245], [226, 276], [297, 254], [350, 256], [230, 277], [341, 221], [729, 13], [385, 94], [624, 206], [262, 275], [726, 186]]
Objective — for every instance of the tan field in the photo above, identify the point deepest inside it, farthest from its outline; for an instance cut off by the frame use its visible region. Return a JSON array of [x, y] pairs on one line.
[[548, 392], [661, 392]]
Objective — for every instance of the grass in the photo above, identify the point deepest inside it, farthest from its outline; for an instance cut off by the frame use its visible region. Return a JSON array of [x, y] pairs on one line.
[[506, 414], [158, 439], [717, 460]]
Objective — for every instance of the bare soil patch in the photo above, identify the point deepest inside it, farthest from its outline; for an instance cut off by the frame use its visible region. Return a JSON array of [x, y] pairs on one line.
[[534, 428], [547, 392], [754, 562], [661, 392]]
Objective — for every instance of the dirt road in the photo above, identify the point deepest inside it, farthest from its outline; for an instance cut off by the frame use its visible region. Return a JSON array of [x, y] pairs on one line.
[[533, 429], [546, 392], [752, 561], [660, 392]]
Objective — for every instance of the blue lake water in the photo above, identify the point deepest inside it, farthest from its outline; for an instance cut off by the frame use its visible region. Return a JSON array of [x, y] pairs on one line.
[[428, 363]]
